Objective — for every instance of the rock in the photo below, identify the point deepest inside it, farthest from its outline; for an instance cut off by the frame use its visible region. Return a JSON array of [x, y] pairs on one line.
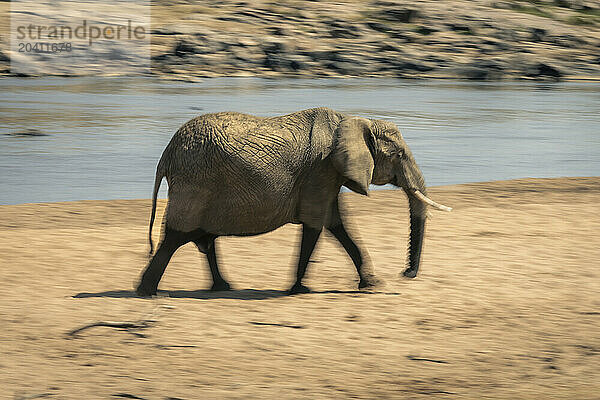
[[538, 34], [562, 3], [542, 70], [403, 66], [344, 68], [409, 37], [342, 29], [587, 8], [579, 5], [230, 18], [404, 15], [497, 44], [183, 48], [275, 62], [384, 60], [568, 41], [302, 14], [508, 35], [164, 31], [473, 73], [389, 47], [400, 35], [298, 64], [425, 30], [479, 71], [437, 60], [160, 57], [378, 26], [276, 47], [505, 5], [343, 33], [487, 49], [246, 42], [201, 60], [198, 36], [279, 31], [322, 55], [461, 28], [495, 65], [284, 62], [240, 53]]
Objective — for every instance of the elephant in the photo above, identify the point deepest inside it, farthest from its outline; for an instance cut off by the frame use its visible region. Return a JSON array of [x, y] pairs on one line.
[[235, 174]]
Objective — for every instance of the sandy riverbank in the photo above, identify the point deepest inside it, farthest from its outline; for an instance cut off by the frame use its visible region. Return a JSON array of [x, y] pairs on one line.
[[507, 304]]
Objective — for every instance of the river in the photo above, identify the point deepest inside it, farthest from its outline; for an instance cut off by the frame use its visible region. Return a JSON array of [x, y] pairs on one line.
[[100, 138]]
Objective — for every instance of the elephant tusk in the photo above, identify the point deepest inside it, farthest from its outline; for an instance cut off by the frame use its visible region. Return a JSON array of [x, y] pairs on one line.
[[432, 203]]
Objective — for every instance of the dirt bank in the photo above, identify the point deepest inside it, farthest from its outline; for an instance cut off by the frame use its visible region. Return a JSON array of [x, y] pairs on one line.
[[507, 304], [481, 39]]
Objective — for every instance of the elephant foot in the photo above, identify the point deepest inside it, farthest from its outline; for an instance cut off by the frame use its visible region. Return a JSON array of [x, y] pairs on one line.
[[298, 288], [145, 290], [369, 282], [220, 286], [410, 273]]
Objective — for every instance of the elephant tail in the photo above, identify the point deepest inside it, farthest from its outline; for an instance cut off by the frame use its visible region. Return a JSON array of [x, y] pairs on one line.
[[157, 181]]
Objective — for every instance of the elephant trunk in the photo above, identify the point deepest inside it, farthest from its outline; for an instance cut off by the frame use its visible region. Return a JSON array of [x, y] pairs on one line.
[[413, 183], [418, 216]]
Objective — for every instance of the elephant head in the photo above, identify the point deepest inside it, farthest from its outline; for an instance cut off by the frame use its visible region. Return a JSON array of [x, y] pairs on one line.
[[373, 151]]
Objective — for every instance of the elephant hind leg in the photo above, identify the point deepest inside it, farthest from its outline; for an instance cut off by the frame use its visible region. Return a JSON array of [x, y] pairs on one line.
[[309, 240], [172, 240], [206, 245]]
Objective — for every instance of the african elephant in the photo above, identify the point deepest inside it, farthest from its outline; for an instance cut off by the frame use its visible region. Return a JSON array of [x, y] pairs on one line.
[[237, 174]]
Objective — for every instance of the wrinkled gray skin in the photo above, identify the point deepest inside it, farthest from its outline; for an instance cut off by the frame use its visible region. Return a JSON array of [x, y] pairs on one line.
[[236, 174]]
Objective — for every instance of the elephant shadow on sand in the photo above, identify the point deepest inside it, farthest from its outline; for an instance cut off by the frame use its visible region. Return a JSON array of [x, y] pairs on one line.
[[242, 294]]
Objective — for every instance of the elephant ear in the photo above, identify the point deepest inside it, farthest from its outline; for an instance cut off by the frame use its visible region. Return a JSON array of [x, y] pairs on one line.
[[351, 156]]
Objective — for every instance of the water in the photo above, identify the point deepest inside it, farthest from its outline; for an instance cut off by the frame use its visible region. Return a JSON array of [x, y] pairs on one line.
[[105, 135]]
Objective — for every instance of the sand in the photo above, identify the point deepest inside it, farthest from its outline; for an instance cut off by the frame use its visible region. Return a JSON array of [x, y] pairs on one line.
[[507, 304]]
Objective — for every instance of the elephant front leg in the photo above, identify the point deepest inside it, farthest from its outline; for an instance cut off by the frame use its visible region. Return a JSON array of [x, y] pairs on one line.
[[366, 277], [360, 260], [309, 240]]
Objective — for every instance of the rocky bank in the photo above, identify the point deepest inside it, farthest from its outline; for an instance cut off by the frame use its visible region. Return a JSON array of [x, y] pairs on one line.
[[481, 39]]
